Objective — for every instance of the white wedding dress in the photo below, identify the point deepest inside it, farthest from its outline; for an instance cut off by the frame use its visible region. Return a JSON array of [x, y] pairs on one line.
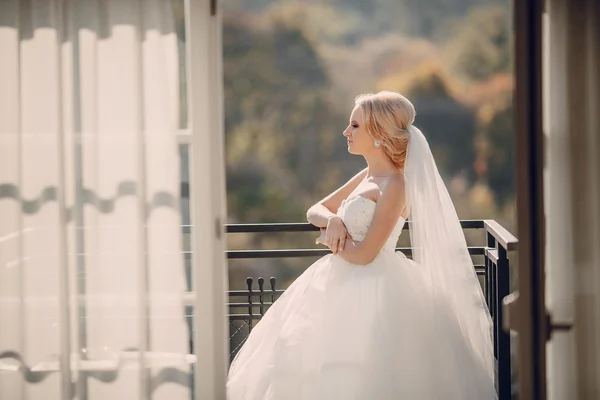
[[353, 332]]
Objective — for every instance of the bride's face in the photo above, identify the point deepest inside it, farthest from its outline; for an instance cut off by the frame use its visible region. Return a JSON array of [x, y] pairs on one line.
[[359, 141]]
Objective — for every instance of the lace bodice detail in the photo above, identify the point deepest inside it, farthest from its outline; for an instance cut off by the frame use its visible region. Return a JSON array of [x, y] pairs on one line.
[[357, 213]]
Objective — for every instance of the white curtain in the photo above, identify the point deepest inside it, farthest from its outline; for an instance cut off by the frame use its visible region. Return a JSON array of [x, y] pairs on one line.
[[91, 267]]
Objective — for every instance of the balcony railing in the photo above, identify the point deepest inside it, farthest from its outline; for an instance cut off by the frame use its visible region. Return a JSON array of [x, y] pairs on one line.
[[246, 307]]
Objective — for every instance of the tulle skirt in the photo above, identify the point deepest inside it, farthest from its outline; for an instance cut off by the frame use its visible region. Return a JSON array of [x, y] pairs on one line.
[[353, 332]]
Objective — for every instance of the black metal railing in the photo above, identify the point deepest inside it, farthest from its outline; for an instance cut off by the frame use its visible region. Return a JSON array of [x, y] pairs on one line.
[[253, 302], [246, 307], [499, 243]]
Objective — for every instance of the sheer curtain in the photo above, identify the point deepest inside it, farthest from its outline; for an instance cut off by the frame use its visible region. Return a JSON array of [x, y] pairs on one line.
[[91, 268]]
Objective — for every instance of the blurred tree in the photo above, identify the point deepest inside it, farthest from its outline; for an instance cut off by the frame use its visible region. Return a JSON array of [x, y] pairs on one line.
[[492, 102], [277, 50], [277, 120], [500, 154], [426, 18], [320, 22], [480, 46], [448, 125]]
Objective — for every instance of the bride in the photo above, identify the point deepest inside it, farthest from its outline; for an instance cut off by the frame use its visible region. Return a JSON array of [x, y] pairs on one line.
[[366, 322]]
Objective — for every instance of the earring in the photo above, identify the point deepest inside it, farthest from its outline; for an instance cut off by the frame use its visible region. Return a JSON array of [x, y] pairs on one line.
[[377, 143]]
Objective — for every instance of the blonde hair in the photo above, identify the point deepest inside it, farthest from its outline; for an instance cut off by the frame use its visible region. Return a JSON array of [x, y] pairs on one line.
[[386, 117]]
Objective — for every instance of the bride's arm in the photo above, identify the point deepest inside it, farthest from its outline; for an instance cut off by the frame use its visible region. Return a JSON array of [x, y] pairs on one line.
[[390, 205], [319, 214]]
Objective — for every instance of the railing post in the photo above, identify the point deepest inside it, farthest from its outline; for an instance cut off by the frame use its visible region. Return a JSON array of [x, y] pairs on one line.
[[502, 337], [272, 281], [249, 283], [486, 279], [491, 294], [261, 288], [491, 244]]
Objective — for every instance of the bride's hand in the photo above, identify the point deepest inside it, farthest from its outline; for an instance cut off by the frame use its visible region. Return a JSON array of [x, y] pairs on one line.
[[336, 234]]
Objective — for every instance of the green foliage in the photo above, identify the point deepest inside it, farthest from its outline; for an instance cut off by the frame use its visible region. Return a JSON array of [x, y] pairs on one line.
[[501, 159], [320, 22], [449, 125], [480, 46], [426, 18], [276, 118]]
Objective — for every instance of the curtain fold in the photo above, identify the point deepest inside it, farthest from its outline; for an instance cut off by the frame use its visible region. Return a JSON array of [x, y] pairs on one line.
[[88, 153]]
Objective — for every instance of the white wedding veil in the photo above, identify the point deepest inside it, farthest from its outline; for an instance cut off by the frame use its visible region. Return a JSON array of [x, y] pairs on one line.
[[439, 245]]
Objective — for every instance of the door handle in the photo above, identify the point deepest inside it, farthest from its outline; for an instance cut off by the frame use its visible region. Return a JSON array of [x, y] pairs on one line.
[[510, 312], [556, 326]]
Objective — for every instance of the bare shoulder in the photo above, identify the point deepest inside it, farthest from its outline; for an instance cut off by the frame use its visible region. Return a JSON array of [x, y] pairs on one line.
[[392, 199]]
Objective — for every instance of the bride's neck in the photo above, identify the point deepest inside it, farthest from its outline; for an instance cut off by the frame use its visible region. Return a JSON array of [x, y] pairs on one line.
[[379, 166]]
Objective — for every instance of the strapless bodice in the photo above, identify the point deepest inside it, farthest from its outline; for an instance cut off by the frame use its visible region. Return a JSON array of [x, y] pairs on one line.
[[357, 213]]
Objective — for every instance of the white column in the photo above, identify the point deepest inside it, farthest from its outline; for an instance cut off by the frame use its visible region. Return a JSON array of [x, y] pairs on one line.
[[207, 184]]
